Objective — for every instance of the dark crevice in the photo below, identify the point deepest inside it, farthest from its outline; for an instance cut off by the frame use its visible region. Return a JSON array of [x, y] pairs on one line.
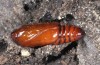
[[32, 5], [76, 59], [3, 45], [69, 17], [51, 58], [47, 17], [33, 54], [26, 7], [19, 53]]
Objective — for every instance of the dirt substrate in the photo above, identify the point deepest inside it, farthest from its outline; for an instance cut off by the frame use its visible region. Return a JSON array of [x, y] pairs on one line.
[[82, 13]]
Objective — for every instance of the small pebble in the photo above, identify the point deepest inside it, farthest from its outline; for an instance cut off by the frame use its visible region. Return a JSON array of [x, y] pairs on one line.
[[25, 53], [3, 60]]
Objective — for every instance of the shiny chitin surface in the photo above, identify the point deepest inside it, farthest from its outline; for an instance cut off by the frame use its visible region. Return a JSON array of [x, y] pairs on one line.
[[41, 34]]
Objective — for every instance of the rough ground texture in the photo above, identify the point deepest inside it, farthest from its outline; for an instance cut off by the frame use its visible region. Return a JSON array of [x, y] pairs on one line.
[[14, 13]]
